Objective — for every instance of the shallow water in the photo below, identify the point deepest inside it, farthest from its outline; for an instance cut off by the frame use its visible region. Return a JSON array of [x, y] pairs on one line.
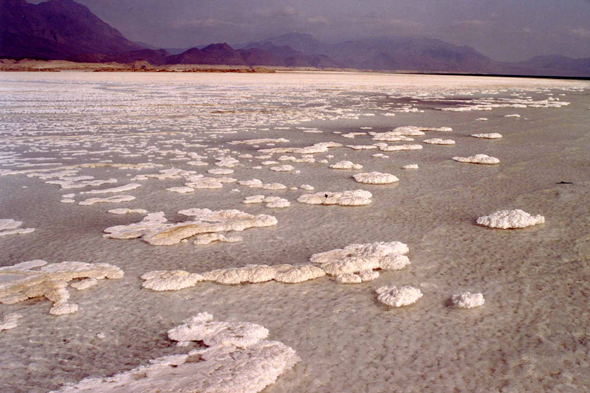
[[531, 335]]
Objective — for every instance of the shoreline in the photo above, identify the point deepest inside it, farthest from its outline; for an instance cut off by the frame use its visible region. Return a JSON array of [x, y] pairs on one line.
[[28, 65]]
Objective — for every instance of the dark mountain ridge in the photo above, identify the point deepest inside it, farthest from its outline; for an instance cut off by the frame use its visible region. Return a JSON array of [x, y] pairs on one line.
[[66, 30]]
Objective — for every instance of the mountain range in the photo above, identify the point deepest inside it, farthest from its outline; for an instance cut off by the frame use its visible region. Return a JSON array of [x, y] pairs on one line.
[[66, 30]]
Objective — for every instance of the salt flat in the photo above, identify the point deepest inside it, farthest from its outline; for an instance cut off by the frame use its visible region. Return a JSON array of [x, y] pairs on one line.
[[182, 143]]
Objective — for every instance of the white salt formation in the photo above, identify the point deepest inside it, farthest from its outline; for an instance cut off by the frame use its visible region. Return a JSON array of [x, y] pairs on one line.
[[237, 359], [248, 274], [208, 238], [272, 201], [438, 141], [283, 168], [155, 229], [290, 274], [346, 165], [468, 300], [515, 116], [510, 219], [394, 297], [113, 199], [24, 281], [357, 278], [172, 280], [10, 321], [492, 135], [478, 159], [9, 226], [128, 211], [375, 178], [410, 166], [257, 183], [127, 187], [345, 198], [384, 147], [356, 258]]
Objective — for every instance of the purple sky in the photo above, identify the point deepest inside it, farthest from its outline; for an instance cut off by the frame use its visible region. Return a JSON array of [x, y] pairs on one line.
[[508, 30]]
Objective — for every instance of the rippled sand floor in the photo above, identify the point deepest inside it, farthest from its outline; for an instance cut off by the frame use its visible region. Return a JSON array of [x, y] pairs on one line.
[[531, 334]]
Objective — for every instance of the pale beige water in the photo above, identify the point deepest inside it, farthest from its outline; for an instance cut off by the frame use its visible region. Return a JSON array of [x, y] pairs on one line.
[[531, 335]]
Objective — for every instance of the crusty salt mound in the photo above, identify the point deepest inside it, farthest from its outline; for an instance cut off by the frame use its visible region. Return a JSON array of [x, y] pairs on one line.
[[156, 230], [113, 199], [125, 188], [9, 226], [510, 219], [468, 300], [394, 297], [356, 258], [25, 280], [10, 321], [128, 211], [209, 238], [237, 359], [257, 183], [410, 166], [357, 278], [345, 198], [271, 201], [492, 135], [346, 165], [375, 178], [439, 141], [394, 262], [171, 280], [385, 147], [238, 275], [478, 159], [283, 168]]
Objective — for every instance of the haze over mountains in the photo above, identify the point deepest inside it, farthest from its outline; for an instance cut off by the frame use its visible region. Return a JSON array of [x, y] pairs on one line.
[[66, 30]]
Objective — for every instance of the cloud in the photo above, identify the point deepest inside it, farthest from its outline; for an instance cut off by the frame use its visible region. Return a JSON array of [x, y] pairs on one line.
[[318, 20], [581, 32]]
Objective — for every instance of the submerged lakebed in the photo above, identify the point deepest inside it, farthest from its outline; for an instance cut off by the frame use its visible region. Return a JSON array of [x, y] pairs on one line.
[[313, 162]]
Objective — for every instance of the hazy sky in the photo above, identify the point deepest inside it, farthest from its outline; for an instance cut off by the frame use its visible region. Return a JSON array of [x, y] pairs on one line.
[[502, 29]]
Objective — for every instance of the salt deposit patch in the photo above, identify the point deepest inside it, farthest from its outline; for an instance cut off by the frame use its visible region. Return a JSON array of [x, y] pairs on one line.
[[128, 211], [10, 321], [156, 230], [113, 199], [9, 226], [410, 166], [271, 201], [510, 219], [438, 141], [478, 159], [172, 280], [375, 178], [346, 165], [491, 135], [25, 280], [344, 198], [356, 258], [394, 297], [237, 359], [125, 188], [468, 300]]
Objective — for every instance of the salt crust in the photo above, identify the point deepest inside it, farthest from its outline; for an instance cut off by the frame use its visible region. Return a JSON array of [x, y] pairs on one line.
[[438, 141], [127, 187], [478, 159], [258, 141], [155, 229], [357, 278], [282, 168], [272, 201], [183, 190], [9, 226], [238, 359], [128, 211], [24, 281], [84, 284], [410, 166], [172, 280], [220, 171], [314, 149], [208, 238], [307, 187], [344, 198], [510, 219], [257, 183], [468, 300], [113, 199], [346, 165], [394, 297], [385, 147], [356, 258], [10, 321], [375, 178], [492, 135]]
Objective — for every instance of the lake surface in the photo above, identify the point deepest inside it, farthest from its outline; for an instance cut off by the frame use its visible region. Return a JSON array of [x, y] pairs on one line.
[[532, 334]]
